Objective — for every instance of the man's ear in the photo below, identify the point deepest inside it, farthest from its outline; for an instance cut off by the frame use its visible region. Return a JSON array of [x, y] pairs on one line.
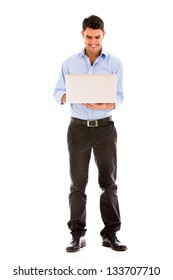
[[82, 32]]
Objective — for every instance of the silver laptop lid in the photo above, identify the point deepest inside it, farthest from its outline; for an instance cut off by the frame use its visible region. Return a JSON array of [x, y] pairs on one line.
[[90, 88]]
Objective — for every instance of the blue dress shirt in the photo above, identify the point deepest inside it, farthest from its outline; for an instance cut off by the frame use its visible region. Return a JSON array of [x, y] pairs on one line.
[[79, 63]]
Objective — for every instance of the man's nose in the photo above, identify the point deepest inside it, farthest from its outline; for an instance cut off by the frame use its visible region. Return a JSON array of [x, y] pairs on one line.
[[93, 41]]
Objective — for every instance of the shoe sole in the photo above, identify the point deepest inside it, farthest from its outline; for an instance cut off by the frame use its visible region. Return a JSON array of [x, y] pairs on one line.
[[70, 250]]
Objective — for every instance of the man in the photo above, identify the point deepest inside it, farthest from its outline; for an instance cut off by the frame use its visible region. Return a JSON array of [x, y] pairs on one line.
[[92, 127]]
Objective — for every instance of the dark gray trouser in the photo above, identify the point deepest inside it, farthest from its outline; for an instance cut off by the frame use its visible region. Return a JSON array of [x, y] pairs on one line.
[[81, 140]]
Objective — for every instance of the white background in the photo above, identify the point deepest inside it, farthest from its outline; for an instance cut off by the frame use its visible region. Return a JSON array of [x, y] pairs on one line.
[[36, 37]]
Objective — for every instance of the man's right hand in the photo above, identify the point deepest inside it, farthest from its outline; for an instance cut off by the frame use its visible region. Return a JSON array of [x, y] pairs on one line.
[[63, 99]]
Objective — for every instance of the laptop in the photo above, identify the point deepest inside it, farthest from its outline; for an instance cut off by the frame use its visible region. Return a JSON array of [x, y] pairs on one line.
[[90, 88]]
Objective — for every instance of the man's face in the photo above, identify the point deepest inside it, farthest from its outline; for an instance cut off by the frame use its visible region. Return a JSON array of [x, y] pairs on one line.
[[93, 40]]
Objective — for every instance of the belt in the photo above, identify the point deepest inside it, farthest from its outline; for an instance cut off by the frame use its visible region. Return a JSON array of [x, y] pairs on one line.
[[93, 123]]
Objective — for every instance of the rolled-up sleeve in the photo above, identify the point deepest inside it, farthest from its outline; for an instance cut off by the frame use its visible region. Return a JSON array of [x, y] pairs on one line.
[[60, 88], [119, 88]]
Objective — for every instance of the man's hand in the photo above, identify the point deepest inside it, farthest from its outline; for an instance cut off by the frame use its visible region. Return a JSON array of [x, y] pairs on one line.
[[100, 106], [63, 99]]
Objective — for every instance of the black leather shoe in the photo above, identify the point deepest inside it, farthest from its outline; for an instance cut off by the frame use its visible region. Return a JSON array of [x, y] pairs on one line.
[[76, 244], [111, 241]]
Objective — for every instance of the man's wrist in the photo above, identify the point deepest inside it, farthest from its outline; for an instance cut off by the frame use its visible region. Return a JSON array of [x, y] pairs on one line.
[[63, 99]]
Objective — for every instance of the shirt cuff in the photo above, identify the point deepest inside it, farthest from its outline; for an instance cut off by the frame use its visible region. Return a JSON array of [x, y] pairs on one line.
[[119, 100], [58, 97]]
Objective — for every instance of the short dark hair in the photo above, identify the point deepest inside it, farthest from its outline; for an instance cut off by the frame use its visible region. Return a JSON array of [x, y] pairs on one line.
[[93, 22]]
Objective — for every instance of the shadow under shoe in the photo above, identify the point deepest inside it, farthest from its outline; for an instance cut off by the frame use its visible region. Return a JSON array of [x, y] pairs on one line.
[[76, 244], [110, 240]]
